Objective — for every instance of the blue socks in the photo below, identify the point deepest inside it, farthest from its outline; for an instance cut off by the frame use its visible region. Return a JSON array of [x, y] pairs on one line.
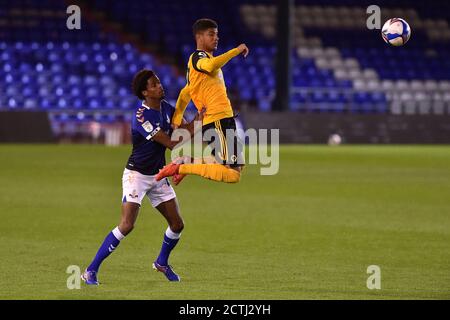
[[170, 241], [110, 243], [113, 239]]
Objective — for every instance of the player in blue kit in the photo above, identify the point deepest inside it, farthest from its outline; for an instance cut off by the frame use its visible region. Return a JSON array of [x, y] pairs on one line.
[[151, 131]]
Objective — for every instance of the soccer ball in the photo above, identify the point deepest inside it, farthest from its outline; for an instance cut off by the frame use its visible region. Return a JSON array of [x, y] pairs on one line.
[[396, 32]]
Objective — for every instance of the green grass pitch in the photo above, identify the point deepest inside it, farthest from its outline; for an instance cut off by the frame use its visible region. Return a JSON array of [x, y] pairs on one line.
[[309, 232]]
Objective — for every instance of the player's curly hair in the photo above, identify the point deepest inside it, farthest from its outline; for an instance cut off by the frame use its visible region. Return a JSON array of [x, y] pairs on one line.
[[202, 25], [139, 83]]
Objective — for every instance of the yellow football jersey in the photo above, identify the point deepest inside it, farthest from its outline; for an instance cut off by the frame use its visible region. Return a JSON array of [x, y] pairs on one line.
[[206, 87]]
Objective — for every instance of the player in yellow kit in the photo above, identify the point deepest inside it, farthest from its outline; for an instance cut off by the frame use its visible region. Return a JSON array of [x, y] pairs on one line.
[[206, 88]]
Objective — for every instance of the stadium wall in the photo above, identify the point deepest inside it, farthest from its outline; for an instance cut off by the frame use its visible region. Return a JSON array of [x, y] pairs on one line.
[[25, 127], [353, 128]]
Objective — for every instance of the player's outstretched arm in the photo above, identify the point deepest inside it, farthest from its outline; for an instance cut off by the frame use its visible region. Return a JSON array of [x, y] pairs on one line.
[[183, 99], [209, 65], [244, 49]]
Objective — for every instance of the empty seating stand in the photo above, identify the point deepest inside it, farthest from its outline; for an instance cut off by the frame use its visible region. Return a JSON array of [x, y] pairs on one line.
[[337, 66]]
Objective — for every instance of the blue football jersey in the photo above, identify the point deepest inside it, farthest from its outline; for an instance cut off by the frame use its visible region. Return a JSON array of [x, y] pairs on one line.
[[148, 156]]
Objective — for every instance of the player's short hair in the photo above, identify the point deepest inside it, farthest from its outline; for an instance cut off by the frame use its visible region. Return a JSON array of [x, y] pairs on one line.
[[139, 83], [203, 24]]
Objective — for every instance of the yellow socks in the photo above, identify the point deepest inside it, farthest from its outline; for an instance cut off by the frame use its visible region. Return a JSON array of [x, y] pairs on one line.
[[215, 172]]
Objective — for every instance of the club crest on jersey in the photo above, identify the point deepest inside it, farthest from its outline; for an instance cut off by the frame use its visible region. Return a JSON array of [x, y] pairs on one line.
[[147, 126]]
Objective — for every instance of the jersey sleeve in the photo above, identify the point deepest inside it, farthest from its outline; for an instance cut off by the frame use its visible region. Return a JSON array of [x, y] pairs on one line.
[[214, 63], [196, 57], [147, 125]]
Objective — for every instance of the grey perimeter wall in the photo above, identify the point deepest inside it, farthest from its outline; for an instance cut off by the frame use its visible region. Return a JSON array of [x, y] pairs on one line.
[[353, 128], [294, 127], [29, 127]]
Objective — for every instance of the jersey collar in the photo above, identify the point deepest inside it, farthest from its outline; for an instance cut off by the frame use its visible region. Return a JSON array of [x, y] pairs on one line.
[[148, 108], [145, 106]]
